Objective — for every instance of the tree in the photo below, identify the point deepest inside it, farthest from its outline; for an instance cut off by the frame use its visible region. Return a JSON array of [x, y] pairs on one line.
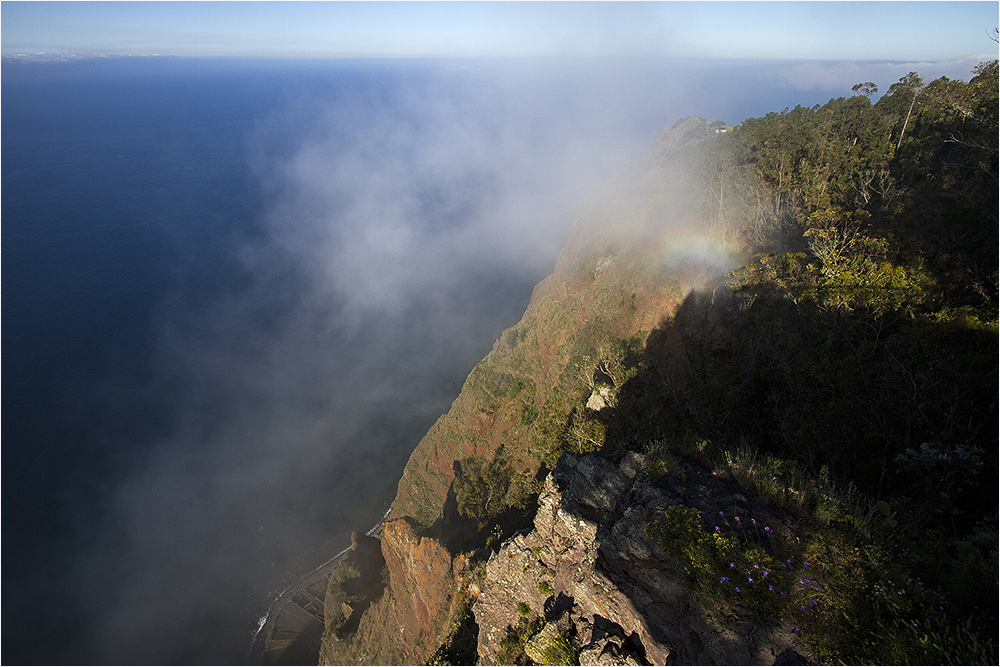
[[913, 83], [868, 88]]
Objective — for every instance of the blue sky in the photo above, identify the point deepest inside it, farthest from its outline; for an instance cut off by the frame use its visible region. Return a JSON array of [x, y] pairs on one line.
[[913, 31]]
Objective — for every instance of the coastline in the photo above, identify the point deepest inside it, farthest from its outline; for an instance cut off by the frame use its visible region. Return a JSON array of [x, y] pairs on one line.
[[272, 622]]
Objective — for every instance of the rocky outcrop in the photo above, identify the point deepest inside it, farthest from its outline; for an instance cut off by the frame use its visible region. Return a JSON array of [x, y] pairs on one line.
[[602, 397], [588, 569], [425, 580], [406, 623]]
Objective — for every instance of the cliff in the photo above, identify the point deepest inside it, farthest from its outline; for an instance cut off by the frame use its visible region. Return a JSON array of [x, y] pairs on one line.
[[668, 461], [388, 599], [617, 276], [585, 583], [627, 263]]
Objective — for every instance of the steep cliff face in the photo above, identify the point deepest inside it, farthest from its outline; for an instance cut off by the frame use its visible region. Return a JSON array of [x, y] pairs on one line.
[[624, 267], [638, 245], [596, 585], [405, 622], [426, 581]]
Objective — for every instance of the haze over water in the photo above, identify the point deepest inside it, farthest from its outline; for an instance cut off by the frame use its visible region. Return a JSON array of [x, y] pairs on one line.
[[237, 293]]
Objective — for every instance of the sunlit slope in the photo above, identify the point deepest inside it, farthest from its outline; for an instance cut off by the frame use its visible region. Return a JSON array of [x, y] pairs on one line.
[[639, 244]]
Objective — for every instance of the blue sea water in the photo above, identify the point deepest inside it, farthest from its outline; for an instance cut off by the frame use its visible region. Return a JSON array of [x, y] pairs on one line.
[[235, 294], [110, 180], [129, 191]]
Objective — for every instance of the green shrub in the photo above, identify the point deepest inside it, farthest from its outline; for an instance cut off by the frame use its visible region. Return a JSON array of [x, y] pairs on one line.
[[514, 639], [485, 489], [661, 461], [586, 435], [776, 481], [559, 652]]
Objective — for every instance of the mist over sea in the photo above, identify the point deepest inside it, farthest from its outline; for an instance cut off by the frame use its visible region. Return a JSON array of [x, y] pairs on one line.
[[235, 294]]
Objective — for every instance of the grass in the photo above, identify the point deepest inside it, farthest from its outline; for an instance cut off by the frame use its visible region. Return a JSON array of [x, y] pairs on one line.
[[558, 651], [776, 481], [660, 461], [514, 639], [737, 569]]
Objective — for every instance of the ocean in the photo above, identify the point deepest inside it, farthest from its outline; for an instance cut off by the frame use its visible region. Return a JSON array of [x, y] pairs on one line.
[[235, 294]]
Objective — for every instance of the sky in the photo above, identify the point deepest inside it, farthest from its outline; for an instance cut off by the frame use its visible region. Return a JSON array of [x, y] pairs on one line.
[[912, 31]]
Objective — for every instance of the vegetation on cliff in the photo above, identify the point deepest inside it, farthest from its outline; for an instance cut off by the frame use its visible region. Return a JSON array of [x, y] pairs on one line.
[[850, 374], [845, 375]]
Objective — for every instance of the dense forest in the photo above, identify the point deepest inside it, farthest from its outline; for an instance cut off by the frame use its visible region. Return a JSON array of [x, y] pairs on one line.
[[845, 376]]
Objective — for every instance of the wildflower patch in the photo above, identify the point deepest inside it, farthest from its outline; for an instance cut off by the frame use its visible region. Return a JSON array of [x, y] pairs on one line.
[[736, 568]]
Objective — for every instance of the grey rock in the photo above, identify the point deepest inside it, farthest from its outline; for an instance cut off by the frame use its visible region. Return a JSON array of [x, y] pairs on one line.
[[609, 590]]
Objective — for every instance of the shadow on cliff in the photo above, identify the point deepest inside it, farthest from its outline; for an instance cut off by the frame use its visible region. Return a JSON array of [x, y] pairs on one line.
[[461, 534], [827, 389], [358, 581], [669, 395], [821, 385], [362, 582]]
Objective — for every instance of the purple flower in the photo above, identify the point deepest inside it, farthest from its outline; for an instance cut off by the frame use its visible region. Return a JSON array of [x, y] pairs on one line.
[[798, 628], [721, 513], [812, 602], [750, 579], [802, 607], [801, 582], [716, 529], [732, 565], [783, 593], [753, 521], [724, 580], [806, 564], [766, 573], [738, 590], [770, 588], [808, 581], [737, 518], [756, 566], [767, 529]]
